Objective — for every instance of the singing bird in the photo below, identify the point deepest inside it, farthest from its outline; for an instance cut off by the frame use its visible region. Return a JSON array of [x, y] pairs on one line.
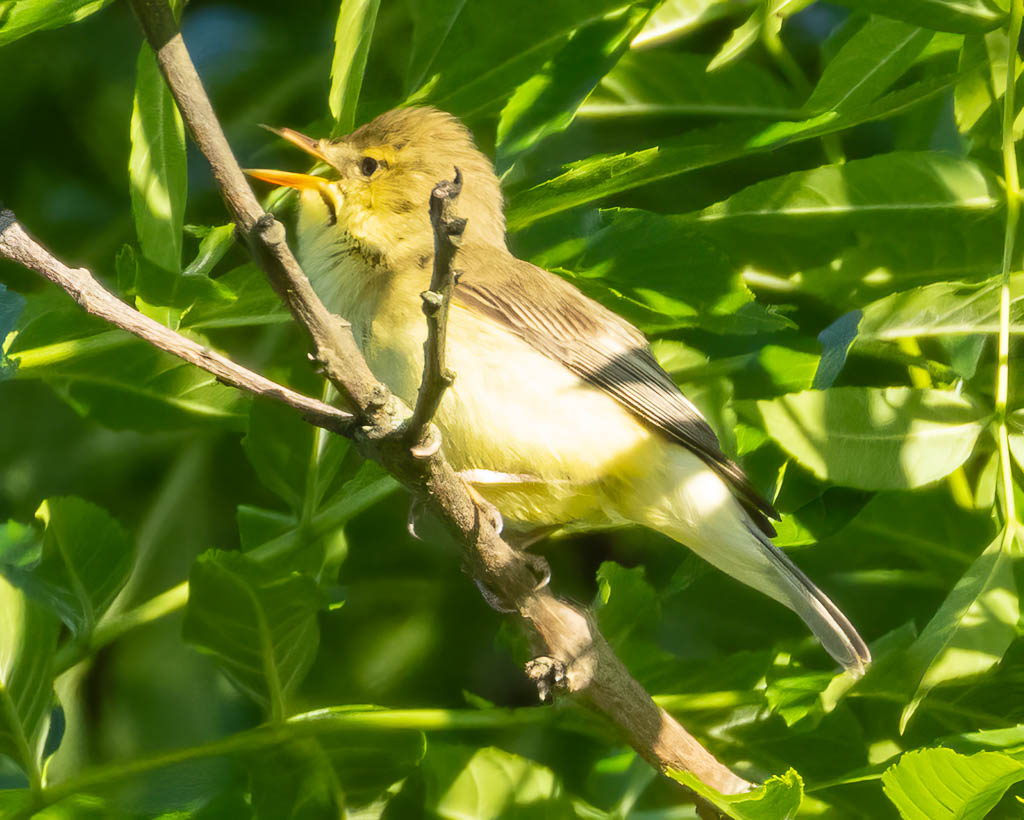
[[559, 415]]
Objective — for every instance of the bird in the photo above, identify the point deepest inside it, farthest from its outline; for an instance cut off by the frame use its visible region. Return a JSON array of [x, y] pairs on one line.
[[559, 415]]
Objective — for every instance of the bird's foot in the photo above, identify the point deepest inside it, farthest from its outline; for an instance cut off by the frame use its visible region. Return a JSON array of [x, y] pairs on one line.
[[548, 674]]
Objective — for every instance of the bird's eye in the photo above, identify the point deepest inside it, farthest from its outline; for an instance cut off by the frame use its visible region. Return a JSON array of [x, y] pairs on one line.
[[368, 165]]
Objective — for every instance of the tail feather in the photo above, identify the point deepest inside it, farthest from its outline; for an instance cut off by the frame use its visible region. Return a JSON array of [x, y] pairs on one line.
[[700, 511], [840, 639]]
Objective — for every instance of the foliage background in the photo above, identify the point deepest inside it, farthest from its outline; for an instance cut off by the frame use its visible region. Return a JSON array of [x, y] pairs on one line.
[[786, 196]]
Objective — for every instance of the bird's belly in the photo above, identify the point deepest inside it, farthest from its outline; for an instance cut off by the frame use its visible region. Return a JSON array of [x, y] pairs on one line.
[[534, 439]]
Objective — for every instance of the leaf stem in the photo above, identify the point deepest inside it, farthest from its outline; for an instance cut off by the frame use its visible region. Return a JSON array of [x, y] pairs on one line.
[[107, 631], [1012, 182], [312, 724]]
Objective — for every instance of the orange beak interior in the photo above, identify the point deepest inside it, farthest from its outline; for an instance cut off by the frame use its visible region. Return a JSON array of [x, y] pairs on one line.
[[287, 178]]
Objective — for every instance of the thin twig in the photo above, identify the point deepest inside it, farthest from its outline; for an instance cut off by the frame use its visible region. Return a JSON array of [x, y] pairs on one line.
[[448, 230], [17, 246]]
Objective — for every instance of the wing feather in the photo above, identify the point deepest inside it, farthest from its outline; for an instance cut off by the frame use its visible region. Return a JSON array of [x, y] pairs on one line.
[[600, 347]]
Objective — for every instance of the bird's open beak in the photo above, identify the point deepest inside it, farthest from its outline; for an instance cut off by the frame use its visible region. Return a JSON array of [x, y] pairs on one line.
[[287, 178]]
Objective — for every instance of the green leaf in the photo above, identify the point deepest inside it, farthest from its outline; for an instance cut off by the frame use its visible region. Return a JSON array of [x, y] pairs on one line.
[[660, 274], [254, 303], [26, 16], [974, 626], [939, 784], [895, 191], [11, 306], [943, 309], [366, 761], [294, 781], [352, 36], [86, 559], [488, 784], [778, 799], [156, 167], [960, 16], [674, 18], [601, 176], [468, 56], [260, 627], [628, 612], [292, 458], [661, 83], [28, 640], [547, 103], [126, 383], [877, 55], [215, 243], [767, 14], [875, 438]]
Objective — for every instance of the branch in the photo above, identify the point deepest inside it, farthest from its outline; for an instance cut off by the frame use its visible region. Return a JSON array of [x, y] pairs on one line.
[[334, 348], [578, 658], [437, 378], [17, 246]]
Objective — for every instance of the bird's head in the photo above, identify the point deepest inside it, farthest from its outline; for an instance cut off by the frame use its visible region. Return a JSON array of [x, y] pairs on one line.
[[376, 191]]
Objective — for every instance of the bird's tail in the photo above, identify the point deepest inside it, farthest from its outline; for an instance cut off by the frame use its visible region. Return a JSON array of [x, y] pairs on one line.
[[700, 512]]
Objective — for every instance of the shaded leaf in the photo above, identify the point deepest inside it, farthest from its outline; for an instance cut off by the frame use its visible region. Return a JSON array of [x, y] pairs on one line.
[[660, 83], [254, 303], [26, 16], [352, 35], [939, 784], [11, 306], [259, 627], [86, 559], [875, 438]]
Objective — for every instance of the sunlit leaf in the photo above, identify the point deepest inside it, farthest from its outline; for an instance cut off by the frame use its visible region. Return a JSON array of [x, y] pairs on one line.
[[28, 638], [601, 176], [767, 14], [352, 35], [471, 55], [548, 101], [488, 784], [675, 18], [875, 57], [939, 784], [260, 627], [943, 15], [26, 16], [11, 305], [974, 625], [875, 438], [778, 799], [157, 168], [659, 273]]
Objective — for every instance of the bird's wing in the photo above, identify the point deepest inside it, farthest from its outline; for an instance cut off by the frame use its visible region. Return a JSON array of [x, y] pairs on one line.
[[602, 348]]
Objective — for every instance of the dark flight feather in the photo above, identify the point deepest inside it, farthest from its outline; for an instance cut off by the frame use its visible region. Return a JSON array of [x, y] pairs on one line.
[[600, 347]]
